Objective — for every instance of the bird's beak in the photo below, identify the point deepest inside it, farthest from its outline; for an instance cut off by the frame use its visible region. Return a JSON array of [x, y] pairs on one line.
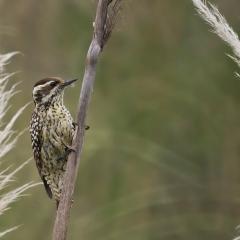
[[69, 82]]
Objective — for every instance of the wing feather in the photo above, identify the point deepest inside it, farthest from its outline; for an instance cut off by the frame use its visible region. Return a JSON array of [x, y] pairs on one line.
[[36, 137]]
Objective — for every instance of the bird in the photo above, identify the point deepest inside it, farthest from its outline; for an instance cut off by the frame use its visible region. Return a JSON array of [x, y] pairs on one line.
[[52, 130]]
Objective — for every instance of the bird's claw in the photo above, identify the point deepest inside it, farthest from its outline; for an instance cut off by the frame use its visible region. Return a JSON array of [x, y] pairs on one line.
[[70, 148], [76, 125]]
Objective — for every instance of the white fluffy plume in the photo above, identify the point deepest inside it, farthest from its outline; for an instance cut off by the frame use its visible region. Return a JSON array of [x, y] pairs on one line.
[[220, 26], [8, 138]]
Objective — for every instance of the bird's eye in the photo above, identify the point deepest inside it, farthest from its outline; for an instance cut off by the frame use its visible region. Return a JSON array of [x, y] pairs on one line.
[[53, 84]]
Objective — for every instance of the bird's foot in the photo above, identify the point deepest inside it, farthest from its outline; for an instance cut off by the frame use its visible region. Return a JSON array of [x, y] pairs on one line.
[[76, 125], [57, 203], [69, 148]]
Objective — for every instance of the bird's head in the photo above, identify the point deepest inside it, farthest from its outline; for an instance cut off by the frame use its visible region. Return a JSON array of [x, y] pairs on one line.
[[50, 89]]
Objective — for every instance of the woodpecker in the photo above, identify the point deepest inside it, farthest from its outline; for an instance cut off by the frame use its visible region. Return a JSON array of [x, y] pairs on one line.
[[52, 130]]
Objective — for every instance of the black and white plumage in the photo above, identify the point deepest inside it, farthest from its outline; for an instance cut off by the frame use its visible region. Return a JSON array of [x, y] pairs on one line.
[[52, 130]]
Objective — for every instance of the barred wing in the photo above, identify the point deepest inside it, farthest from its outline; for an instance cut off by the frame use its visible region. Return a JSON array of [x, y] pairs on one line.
[[36, 137]]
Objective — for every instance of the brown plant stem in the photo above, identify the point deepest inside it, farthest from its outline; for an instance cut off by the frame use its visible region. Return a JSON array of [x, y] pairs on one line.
[[106, 13]]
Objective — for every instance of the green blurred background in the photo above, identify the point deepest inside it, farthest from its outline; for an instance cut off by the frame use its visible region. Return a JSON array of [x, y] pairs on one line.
[[162, 157]]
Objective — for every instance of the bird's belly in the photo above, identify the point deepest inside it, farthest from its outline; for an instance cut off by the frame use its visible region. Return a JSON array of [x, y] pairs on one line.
[[54, 151], [53, 157], [57, 134]]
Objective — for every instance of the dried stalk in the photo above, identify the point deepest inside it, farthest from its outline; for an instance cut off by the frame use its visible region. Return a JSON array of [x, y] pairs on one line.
[[106, 14]]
